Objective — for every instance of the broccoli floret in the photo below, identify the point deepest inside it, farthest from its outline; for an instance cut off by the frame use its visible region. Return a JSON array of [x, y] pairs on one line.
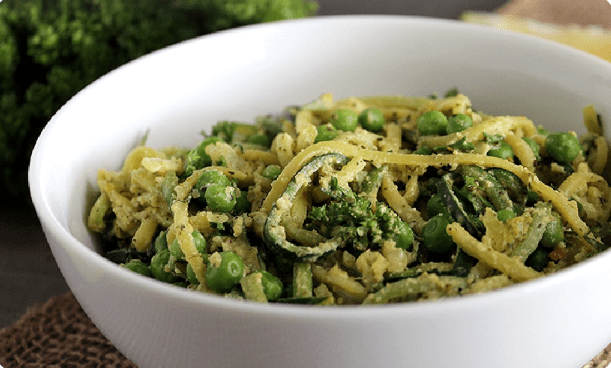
[[353, 219], [49, 50]]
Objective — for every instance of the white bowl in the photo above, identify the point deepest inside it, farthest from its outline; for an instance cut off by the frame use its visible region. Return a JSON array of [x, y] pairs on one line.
[[557, 321]]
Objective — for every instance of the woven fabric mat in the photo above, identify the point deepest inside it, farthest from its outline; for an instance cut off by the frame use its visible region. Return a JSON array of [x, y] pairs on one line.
[[57, 334]]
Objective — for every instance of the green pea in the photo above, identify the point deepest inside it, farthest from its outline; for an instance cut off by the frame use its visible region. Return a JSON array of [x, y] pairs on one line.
[[533, 146], [345, 119], [220, 198], [210, 177], [538, 259], [434, 235], [458, 123], [423, 150], [532, 197], [224, 271], [272, 171], [191, 277], [161, 242], [432, 123], [503, 150], [199, 241], [272, 286], [241, 203], [176, 251], [562, 147], [197, 158], [138, 266], [404, 236], [158, 263], [553, 234], [505, 214], [372, 119], [260, 139], [325, 132], [435, 206]]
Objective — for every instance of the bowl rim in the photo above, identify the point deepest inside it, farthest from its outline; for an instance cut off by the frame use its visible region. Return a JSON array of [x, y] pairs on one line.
[[54, 227]]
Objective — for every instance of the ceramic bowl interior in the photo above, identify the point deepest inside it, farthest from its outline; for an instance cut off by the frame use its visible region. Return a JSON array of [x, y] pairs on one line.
[[172, 95]]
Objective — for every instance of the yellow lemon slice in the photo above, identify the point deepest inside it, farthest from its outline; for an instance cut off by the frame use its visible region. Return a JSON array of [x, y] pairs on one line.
[[595, 40]]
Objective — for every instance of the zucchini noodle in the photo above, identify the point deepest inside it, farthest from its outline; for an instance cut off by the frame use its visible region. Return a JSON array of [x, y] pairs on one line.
[[363, 200]]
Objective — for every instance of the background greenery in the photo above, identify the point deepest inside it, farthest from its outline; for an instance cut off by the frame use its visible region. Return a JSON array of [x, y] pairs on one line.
[[51, 49]]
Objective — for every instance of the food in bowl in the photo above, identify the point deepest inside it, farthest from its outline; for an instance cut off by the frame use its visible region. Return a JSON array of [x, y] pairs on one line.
[[363, 200]]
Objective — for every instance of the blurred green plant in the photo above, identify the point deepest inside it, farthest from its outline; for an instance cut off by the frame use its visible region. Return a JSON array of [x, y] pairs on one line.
[[51, 49]]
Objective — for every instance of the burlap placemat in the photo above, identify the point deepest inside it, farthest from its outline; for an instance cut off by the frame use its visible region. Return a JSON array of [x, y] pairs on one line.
[[57, 334]]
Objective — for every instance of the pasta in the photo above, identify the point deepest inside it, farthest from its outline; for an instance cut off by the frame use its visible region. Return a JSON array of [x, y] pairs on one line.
[[363, 200]]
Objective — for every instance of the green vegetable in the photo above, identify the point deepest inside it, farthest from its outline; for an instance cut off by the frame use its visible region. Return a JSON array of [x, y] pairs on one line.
[[138, 266], [49, 50], [404, 235], [562, 147], [241, 203], [458, 123], [345, 119], [351, 219], [532, 197], [272, 286], [423, 150], [435, 206], [208, 178], [372, 119], [533, 146], [158, 263], [224, 271], [505, 214], [326, 132], [373, 180], [271, 171], [554, 232], [451, 92], [197, 158], [435, 237], [539, 259], [512, 184], [501, 150], [260, 139], [455, 206], [274, 233], [175, 250], [160, 242], [191, 277], [220, 198], [460, 145], [534, 234], [496, 193], [432, 123], [410, 288], [233, 132]]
